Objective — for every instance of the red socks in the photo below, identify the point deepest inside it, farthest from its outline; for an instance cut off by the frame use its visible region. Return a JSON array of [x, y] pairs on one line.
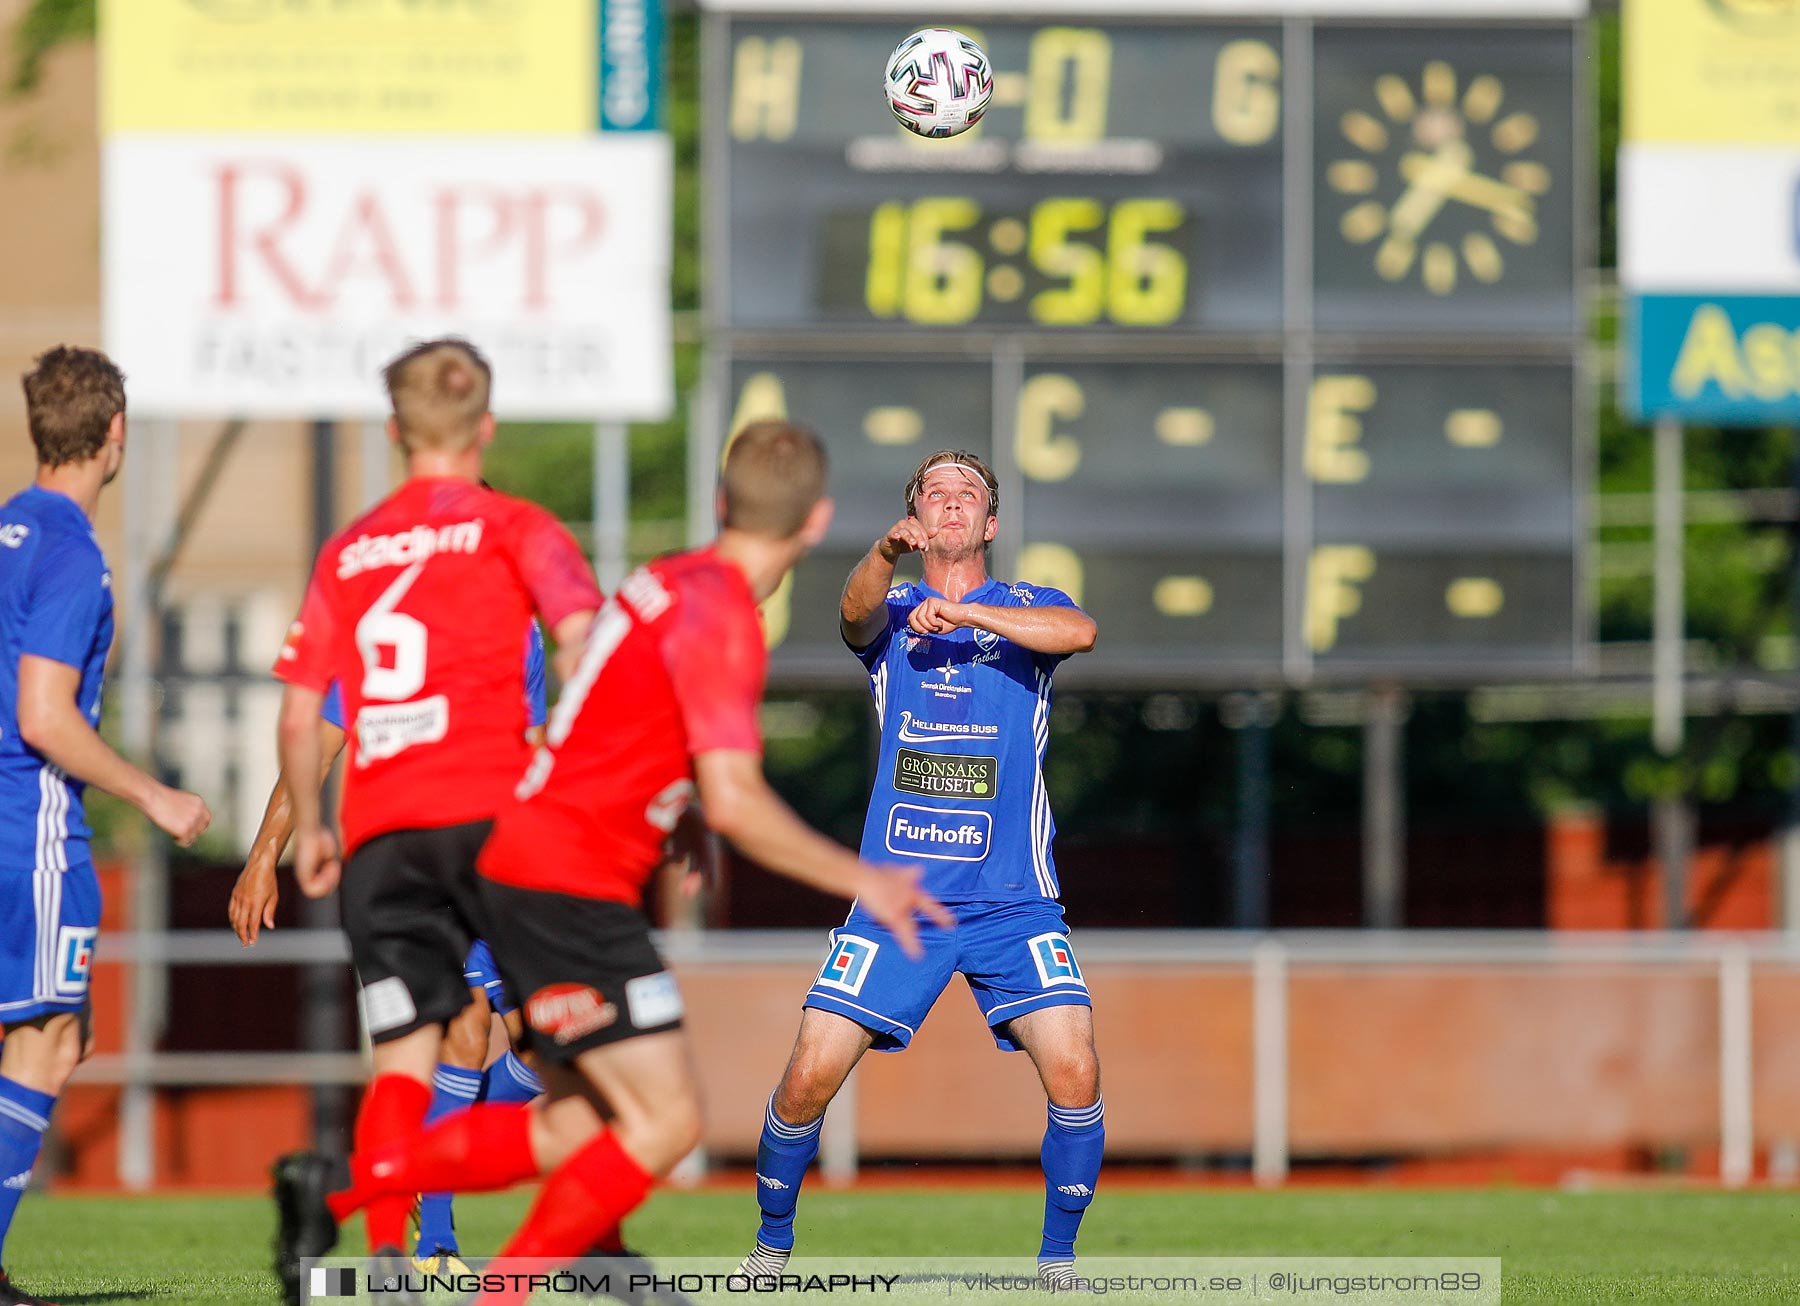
[[477, 1150], [581, 1202], [393, 1110], [585, 1199]]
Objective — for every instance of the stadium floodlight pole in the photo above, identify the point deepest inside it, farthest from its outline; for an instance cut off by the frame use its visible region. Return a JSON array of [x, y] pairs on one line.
[[145, 494], [322, 986], [1669, 813], [612, 503]]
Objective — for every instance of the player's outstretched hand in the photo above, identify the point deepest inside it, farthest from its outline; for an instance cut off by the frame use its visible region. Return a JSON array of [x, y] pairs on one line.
[[180, 815], [893, 896], [317, 866], [937, 616], [908, 535], [253, 900]]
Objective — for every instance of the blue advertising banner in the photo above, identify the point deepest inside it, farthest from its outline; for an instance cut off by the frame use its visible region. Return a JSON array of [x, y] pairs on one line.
[[631, 65], [1721, 360]]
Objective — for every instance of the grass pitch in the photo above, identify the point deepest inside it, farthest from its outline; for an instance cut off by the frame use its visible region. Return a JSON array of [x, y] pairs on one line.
[[1677, 1247]]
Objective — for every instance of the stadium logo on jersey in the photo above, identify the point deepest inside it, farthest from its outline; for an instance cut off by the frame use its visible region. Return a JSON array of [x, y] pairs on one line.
[[12, 535], [939, 832], [848, 965], [933, 732], [566, 1012], [653, 1000], [1055, 961], [74, 959], [945, 775]]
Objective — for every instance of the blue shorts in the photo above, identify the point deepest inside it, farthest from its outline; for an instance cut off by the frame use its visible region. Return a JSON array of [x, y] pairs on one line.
[[480, 972], [1015, 955], [48, 921]]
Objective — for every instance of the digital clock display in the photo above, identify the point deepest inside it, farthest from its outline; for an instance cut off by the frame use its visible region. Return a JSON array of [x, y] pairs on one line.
[[1126, 176]]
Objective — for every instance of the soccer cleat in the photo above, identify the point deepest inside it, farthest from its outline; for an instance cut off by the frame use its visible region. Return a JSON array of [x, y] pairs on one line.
[[443, 1261], [765, 1260], [1060, 1276], [13, 1295], [304, 1224]]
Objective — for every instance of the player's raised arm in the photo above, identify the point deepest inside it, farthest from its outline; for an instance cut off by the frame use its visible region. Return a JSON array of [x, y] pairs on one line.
[[257, 892], [741, 806], [52, 722], [1056, 630], [862, 612]]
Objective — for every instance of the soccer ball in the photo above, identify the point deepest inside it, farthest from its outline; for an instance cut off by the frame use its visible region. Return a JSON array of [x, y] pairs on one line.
[[938, 82]]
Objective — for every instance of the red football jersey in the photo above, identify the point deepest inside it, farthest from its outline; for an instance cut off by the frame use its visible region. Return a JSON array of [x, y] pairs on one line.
[[418, 610], [674, 668]]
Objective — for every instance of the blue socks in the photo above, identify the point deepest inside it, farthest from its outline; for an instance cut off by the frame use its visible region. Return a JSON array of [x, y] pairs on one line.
[[781, 1160], [1073, 1142], [510, 1081], [453, 1089], [24, 1116]]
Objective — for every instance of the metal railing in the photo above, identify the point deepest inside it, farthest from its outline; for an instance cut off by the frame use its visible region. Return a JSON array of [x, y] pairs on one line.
[[1270, 959]]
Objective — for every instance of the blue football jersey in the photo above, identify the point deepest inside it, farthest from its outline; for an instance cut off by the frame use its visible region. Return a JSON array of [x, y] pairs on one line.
[[964, 721], [55, 602], [535, 696]]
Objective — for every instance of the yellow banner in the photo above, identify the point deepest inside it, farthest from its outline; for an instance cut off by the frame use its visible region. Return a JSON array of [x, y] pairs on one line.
[[320, 66], [1712, 71]]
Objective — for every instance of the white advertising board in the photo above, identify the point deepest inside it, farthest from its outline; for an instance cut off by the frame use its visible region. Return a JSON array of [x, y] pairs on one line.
[[274, 276], [1710, 217]]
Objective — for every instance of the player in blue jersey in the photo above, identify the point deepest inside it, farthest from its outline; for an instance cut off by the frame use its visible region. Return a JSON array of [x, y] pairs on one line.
[[56, 627], [460, 1079], [960, 668]]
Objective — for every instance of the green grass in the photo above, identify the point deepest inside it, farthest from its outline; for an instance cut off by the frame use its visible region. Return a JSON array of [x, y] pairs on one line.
[[1677, 1247]]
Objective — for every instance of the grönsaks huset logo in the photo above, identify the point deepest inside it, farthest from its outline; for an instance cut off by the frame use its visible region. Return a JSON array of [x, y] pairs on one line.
[[946, 775], [326, 1281], [939, 832]]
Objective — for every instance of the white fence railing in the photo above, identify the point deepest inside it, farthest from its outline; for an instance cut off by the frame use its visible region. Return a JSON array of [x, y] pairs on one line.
[[1269, 959]]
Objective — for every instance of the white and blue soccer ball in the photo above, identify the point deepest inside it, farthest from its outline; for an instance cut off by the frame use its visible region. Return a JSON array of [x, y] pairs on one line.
[[938, 82]]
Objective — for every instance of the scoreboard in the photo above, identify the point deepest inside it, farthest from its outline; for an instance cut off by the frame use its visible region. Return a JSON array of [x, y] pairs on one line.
[[1268, 323]]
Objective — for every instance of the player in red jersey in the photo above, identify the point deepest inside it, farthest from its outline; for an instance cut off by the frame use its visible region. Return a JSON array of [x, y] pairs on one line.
[[418, 610], [663, 698]]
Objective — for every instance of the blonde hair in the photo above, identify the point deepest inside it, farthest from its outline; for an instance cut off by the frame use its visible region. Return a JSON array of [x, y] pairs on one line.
[[774, 474], [439, 391]]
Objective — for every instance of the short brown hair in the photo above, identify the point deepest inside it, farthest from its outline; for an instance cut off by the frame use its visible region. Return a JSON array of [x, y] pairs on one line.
[[957, 458], [774, 474], [439, 391], [71, 397]]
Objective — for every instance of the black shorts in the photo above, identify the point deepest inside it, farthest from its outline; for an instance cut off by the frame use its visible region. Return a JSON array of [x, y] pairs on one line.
[[411, 910], [584, 971]]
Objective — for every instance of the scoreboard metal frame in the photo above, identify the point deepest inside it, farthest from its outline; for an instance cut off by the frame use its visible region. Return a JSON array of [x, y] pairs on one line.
[[1349, 498]]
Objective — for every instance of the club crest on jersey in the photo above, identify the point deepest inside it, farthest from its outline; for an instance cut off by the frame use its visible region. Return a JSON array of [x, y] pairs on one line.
[[1055, 961], [74, 959], [848, 965], [986, 640]]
